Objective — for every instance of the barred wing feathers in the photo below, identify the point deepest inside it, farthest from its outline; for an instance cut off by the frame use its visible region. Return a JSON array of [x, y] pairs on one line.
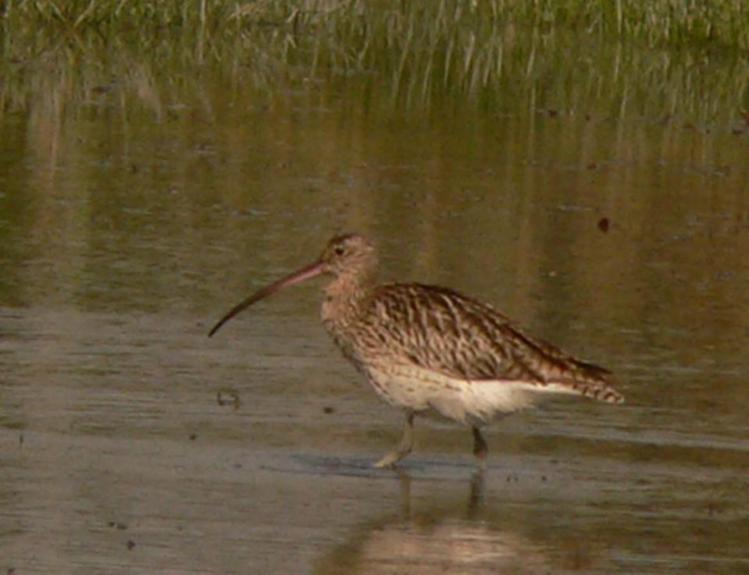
[[439, 329]]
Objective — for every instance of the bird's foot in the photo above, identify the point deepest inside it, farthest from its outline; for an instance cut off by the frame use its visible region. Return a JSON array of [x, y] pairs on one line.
[[389, 460]]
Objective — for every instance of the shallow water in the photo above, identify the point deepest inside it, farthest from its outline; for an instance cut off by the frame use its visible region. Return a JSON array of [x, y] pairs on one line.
[[132, 443]]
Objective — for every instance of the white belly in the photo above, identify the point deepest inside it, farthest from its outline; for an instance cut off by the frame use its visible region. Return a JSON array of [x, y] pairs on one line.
[[463, 401], [467, 402]]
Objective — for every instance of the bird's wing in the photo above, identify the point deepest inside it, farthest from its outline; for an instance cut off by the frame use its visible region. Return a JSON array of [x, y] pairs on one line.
[[438, 329]]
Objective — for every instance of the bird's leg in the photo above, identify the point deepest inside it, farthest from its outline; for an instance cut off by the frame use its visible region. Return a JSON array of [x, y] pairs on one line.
[[404, 446], [480, 449]]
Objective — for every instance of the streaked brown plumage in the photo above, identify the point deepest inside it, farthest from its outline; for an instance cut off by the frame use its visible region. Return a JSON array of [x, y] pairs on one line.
[[430, 349]]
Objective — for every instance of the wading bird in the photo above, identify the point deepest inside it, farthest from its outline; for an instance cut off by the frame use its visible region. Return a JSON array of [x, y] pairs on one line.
[[428, 349]]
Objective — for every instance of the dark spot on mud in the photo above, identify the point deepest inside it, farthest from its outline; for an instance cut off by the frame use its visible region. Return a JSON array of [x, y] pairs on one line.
[[117, 525]]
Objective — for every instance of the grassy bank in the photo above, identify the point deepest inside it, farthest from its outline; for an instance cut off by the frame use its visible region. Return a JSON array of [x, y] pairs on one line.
[[674, 58], [719, 23]]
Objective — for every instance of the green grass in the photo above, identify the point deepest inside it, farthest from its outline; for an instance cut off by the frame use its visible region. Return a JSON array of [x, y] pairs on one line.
[[718, 23], [689, 55]]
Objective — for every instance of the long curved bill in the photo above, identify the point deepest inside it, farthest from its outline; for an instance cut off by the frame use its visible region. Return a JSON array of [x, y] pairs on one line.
[[307, 272]]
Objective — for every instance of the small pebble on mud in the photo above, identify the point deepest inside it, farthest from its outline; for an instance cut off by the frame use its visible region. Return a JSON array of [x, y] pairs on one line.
[[228, 398]]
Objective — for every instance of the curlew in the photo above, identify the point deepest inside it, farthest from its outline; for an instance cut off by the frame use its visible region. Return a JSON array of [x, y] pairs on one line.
[[430, 350]]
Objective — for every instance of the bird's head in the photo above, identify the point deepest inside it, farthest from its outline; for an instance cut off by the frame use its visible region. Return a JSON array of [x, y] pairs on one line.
[[348, 255]]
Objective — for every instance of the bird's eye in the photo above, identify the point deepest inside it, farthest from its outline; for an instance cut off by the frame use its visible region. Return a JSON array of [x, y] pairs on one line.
[[338, 250]]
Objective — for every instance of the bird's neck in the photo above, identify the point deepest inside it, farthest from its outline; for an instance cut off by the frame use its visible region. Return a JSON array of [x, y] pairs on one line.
[[346, 298]]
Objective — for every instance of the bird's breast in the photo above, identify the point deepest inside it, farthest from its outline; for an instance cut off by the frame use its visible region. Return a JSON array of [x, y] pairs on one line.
[[342, 332]]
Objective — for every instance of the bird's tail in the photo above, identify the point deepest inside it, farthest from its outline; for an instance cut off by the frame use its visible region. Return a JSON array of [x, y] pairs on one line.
[[593, 381], [597, 390]]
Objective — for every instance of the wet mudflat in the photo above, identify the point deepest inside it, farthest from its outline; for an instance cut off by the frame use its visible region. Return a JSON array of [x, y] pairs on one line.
[[121, 454], [581, 203], [118, 457]]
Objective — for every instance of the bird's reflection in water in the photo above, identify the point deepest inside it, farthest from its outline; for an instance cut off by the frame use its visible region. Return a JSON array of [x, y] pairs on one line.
[[476, 494], [438, 540]]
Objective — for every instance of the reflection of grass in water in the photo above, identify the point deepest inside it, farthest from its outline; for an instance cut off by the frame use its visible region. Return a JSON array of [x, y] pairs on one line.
[[499, 54]]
